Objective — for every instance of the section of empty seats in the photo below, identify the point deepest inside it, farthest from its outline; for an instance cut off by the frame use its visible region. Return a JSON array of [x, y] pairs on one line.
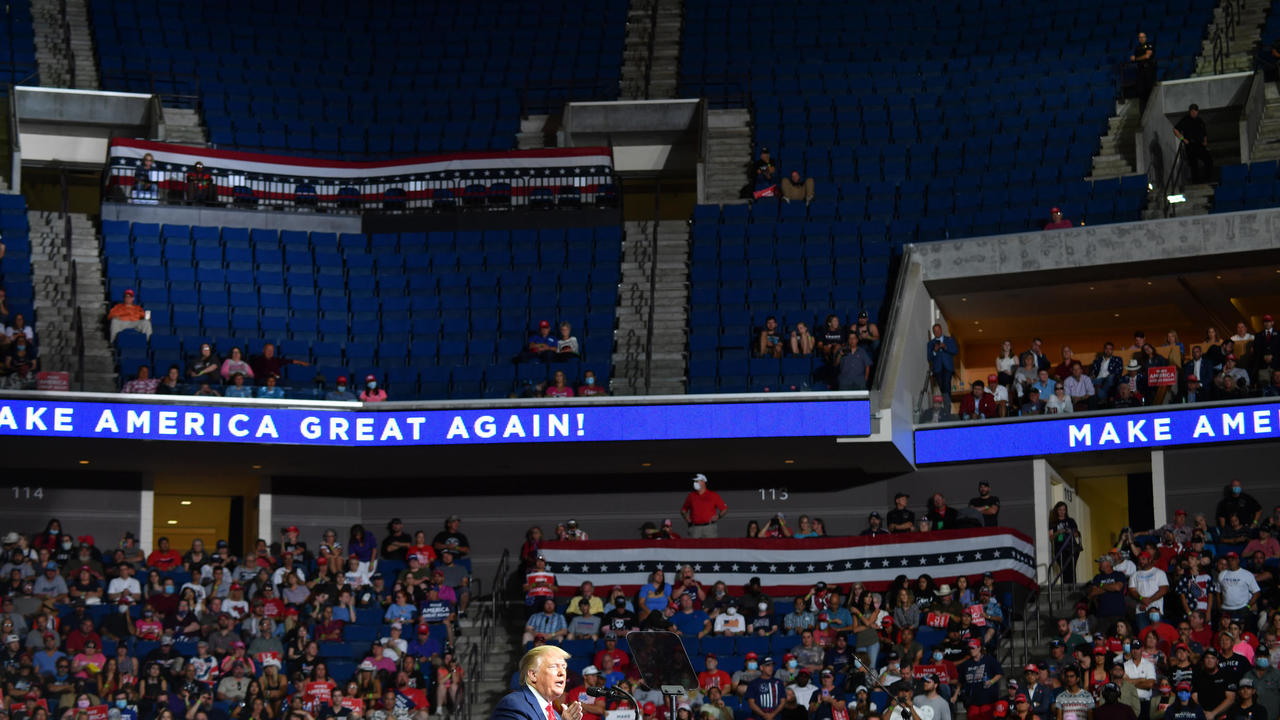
[[1247, 187], [15, 265], [430, 315], [17, 45], [351, 80]]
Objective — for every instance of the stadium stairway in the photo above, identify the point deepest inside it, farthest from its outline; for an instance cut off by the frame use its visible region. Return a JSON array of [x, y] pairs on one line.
[[728, 153], [1267, 145], [183, 126], [1242, 49], [666, 254], [664, 60], [51, 276], [533, 132], [64, 48], [1116, 154], [499, 662]]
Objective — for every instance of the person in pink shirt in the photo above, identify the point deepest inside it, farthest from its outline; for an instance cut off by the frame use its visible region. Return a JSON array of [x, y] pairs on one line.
[[372, 393], [1056, 221], [1265, 543], [558, 386]]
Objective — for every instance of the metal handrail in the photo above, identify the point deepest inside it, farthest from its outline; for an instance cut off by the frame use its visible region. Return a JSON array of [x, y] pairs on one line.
[[488, 621], [1032, 626], [1175, 182]]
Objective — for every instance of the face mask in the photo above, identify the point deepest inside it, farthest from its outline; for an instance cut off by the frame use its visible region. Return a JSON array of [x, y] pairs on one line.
[[752, 665], [168, 589], [1262, 662], [51, 532], [1155, 616], [763, 607], [731, 611], [82, 703], [66, 546], [372, 386], [697, 486], [122, 704], [937, 657], [822, 626], [792, 664], [1236, 490], [1184, 696], [342, 388], [592, 381]]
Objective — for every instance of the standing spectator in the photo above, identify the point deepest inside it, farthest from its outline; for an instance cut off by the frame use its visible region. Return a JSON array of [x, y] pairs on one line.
[[702, 509], [980, 677], [1106, 591], [899, 518], [372, 393], [1266, 353], [236, 364], [541, 346], [1147, 587], [1144, 57], [942, 353], [269, 363], [1235, 501], [1239, 591], [125, 315], [853, 365], [1056, 221], [589, 387], [765, 693], [796, 188], [986, 504], [143, 383], [1215, 690], [1065, 534], [395, 546], [1073, 702], [1193, 134]]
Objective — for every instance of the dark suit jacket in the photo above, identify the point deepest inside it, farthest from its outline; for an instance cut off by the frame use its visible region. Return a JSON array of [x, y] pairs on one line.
[[1262, 347], [1114, 367], [519, 705], [944, 359], [1206, 374]]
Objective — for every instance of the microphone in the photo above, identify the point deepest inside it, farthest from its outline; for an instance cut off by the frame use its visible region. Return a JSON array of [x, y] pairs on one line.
[[597, 691]]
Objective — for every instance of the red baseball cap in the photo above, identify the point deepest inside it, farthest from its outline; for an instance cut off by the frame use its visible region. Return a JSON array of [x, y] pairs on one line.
[[370, 378], [128, 291], [291, 528], [1267, 318], [1054, 210], [1179, 512], [543, 324], [1001, 709], [342, 378], [992, 378], [752, 656]]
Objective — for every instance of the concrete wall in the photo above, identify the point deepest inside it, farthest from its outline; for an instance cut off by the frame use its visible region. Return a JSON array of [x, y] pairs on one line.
[[1194, 477], [1169, 102], [903, 364], [1103, 248], [104, 506]]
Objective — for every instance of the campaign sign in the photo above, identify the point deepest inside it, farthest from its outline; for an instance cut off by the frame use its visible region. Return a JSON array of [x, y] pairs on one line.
[[1169, 425], [271, 424], [1163, 375]]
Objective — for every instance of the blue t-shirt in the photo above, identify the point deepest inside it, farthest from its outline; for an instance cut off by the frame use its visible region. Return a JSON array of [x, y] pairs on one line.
[[45, 664], [424, 649], [689, 623], [538, 338], [767, 692]]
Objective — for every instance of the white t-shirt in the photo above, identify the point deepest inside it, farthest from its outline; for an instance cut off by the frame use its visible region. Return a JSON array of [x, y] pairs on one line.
[[1127, 567], [1237, 587], [235, 608], [1144, 670], [1147, 582], [735, 622], [1000, 394], [119, 585]]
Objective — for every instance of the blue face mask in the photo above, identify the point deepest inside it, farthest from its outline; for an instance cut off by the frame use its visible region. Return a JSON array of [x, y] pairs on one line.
[[753, 665], [1262, 662], [591, 381], [1184, 696], [1236, 490], [937, 657], [168, 589], [1155, 616], [122, 704], [792, 664]]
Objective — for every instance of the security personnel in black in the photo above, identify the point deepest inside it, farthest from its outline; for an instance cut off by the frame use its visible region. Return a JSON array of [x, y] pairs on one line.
[[1144, 56], [1191, 131]]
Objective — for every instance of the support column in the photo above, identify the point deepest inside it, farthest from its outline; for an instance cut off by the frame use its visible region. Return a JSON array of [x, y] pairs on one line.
[[1041, 479], [1159, 502], [146, 514]]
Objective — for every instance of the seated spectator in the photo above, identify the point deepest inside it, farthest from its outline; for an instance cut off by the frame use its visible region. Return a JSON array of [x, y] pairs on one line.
[[20, 327], [454, 575], [978, 405], [204, 367], [801, 340], [125, 315], [340, 391], [541, 345], [1105, 371], [145, 186], [271, 390], [143, 383], [567, 345], [584, 624], [1059, 403], [1032, 405], [235, 364], [1233, 380], [1126, 397], [589, 386], [1056, 221], [1062, 370], [1044, 383], [998, 393], [269, 363], [1079, 388], [764, 176], [558, 387], [547, 624], [769, 339], [200, 188], [170, 384], [237, 388], [831, 340], [21, 365], [868, 332], [372, 393], [797, 189]]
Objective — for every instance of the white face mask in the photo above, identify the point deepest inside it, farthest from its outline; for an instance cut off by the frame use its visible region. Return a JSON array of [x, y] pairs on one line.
[[697, 485]]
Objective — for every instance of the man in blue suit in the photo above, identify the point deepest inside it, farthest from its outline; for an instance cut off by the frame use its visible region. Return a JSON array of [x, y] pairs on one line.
[[543, 672], [942, 363]]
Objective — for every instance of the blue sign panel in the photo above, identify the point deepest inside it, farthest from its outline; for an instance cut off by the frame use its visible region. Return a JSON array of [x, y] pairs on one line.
[[1179, 425], [526, 424]]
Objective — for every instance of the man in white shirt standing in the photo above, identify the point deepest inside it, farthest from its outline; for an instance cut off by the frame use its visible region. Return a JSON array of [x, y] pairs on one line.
[[1239, 592], [1148, 586]]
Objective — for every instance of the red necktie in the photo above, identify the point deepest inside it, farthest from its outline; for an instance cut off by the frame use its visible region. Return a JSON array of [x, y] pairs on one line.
[[551, 712]]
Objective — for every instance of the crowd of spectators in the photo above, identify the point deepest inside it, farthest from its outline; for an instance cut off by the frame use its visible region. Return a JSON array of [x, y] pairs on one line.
[[309, 632], [846, 353], [1140, 374], [17, 348], [1178, 622], [833, 653]]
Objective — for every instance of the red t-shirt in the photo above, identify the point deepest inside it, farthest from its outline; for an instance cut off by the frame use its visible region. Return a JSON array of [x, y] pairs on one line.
[[425, 554], [579, 694], [702, 507], [164, 560], [620, 659], [706, 679]]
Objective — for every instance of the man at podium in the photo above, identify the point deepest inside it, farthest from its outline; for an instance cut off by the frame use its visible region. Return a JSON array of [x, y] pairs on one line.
[[543, 670]]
